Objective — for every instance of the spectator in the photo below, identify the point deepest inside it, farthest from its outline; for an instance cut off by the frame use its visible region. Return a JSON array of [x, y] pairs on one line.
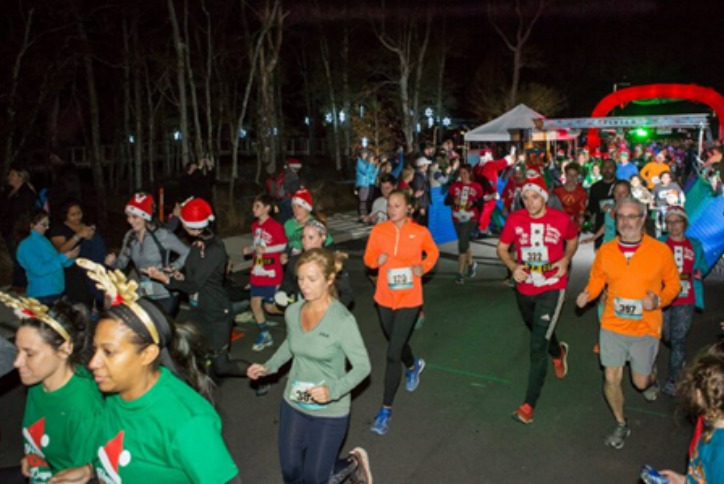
[[421, 190], [292, 184], [364, 178], [18, 200]]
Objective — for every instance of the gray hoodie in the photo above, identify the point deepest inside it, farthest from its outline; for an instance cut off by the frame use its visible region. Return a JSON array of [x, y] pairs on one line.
[[148, 254]]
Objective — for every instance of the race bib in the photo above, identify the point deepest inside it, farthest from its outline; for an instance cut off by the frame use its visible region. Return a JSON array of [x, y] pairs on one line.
[[535, 256], [628, 308], [655, 180], [685, 288], [147, 288], [299, 394], [399, 278], [194, 299], [604, 205]]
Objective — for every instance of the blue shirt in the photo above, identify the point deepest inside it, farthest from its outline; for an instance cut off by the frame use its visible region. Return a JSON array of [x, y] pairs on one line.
[[707, 461], [625, 172], [43, 265]]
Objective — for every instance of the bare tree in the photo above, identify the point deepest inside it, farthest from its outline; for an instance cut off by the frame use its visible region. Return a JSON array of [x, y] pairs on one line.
[[410, 48], [527, 16], [180, 47]]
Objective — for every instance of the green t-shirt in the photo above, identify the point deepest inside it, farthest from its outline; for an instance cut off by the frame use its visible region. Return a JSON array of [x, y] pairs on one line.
[[61, 429], [169, 435], [320, 358], [294, 231]]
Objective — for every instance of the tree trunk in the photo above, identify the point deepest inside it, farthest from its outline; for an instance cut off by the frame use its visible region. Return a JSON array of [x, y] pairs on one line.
[[96, 156], [138, 108], [180, 48], [199, 150]]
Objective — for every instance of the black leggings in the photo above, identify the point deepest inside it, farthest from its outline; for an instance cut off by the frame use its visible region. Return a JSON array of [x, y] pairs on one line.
[[397, 325], [222, 365], [12, 475]]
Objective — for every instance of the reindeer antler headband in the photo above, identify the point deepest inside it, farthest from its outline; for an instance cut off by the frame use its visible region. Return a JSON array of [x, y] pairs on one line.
[[26, 308], [120, 291]]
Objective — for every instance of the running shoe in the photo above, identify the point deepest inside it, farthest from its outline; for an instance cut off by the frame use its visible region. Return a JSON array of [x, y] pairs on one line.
[[412, 377], [652, 392], [669, 389], [362, 473], [262, 341], [472, 269], [617, 438], [560, 365], [524, 414], [245, 317], [382, 421], [262, 389], [459, 279]]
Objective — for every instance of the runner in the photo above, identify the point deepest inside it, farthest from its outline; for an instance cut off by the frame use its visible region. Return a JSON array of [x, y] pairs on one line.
[[634, 268], [607, 231], [692, 266], [202, 278], [146, 245], [600, 193], [701, 393], [322, 335], [156, 427], [64, 408], [486, 174], [466, 198], [303, 209], [625, 170], [572, 195], [396, 247], [378, 214], [269, 241], [545, 240], [653, 170]]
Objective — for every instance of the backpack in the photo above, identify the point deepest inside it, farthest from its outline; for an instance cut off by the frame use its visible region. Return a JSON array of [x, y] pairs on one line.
[[275, 185]]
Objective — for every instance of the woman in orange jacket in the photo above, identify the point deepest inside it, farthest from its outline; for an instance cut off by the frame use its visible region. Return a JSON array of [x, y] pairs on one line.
[[396, 247]]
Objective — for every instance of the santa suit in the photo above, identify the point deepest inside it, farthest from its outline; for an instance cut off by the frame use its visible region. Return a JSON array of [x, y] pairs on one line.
[[486, 173]]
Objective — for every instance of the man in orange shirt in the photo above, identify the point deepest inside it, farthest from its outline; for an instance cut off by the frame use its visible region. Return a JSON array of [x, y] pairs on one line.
[[653, 170], [641, 277]]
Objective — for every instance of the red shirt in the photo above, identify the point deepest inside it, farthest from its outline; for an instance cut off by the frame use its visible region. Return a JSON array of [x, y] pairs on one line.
[[684, 257], [539, 243], [464, 197], [267, 269], [574, 202], [509, 193]]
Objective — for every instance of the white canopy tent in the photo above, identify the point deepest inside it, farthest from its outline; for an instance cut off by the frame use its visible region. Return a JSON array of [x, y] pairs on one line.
[[519, 118]]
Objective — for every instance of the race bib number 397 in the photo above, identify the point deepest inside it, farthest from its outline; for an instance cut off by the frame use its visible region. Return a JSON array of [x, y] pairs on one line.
[[628, 308]]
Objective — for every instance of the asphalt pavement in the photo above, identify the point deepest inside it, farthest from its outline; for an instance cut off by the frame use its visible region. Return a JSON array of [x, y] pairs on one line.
[[456, 427]]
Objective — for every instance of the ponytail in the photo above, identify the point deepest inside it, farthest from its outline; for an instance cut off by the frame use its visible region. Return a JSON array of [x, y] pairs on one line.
[[189, 352]]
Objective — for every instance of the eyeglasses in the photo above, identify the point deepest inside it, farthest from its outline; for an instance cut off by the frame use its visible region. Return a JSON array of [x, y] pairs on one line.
[[630, 217]]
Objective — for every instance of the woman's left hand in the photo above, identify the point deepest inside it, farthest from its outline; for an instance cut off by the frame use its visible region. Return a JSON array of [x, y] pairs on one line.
[[156, 274], [418, 270], [319, 394]]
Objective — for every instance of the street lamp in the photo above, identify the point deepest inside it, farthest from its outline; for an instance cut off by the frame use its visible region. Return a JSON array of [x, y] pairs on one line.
[[178, 135], [365, 142], [446, 122]]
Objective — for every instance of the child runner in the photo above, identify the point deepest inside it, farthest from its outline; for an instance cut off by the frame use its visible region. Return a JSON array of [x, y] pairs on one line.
[[466, 198]]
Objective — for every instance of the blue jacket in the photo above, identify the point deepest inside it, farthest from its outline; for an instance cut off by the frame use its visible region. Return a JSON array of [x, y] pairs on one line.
[[43, 265], [625, 172], [700, 264], [397, 166], [366, 173]]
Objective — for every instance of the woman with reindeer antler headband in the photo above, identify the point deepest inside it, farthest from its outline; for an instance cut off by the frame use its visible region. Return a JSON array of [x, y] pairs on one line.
[[64, 408], [156, 427]]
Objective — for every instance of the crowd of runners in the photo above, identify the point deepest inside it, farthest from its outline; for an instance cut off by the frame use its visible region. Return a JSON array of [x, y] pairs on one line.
[[119, 390]]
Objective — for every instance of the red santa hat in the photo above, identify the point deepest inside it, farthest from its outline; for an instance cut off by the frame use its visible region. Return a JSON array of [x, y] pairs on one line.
[[303, 198], [677, 210], [35, 436], [196, 213], [535, 183], [112, 455], [141, 205], [486, 154], [294, 164]]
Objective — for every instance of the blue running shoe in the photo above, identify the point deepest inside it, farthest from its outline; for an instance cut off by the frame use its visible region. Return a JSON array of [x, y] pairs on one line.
[[264, 340], [412, 377], [382, 421]]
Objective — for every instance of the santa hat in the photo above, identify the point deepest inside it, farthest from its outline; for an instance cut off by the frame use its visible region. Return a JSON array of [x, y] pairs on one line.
[[303, 198], [294, 164], [196, 213], [35, 436], [112, 455], [677, 210], [141, 205], [422, 161], [486, 154], [535, 183]]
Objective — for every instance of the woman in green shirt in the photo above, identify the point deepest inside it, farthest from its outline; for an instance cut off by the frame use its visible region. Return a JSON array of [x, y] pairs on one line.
[[64, 408], [156, 427], [322, 335]]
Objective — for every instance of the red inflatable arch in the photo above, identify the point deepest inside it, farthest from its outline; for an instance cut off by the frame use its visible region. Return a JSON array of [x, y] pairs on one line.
[[690, 92]]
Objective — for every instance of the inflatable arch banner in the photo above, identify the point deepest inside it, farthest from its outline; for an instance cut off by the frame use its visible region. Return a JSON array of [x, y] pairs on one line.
[[690, 92]]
